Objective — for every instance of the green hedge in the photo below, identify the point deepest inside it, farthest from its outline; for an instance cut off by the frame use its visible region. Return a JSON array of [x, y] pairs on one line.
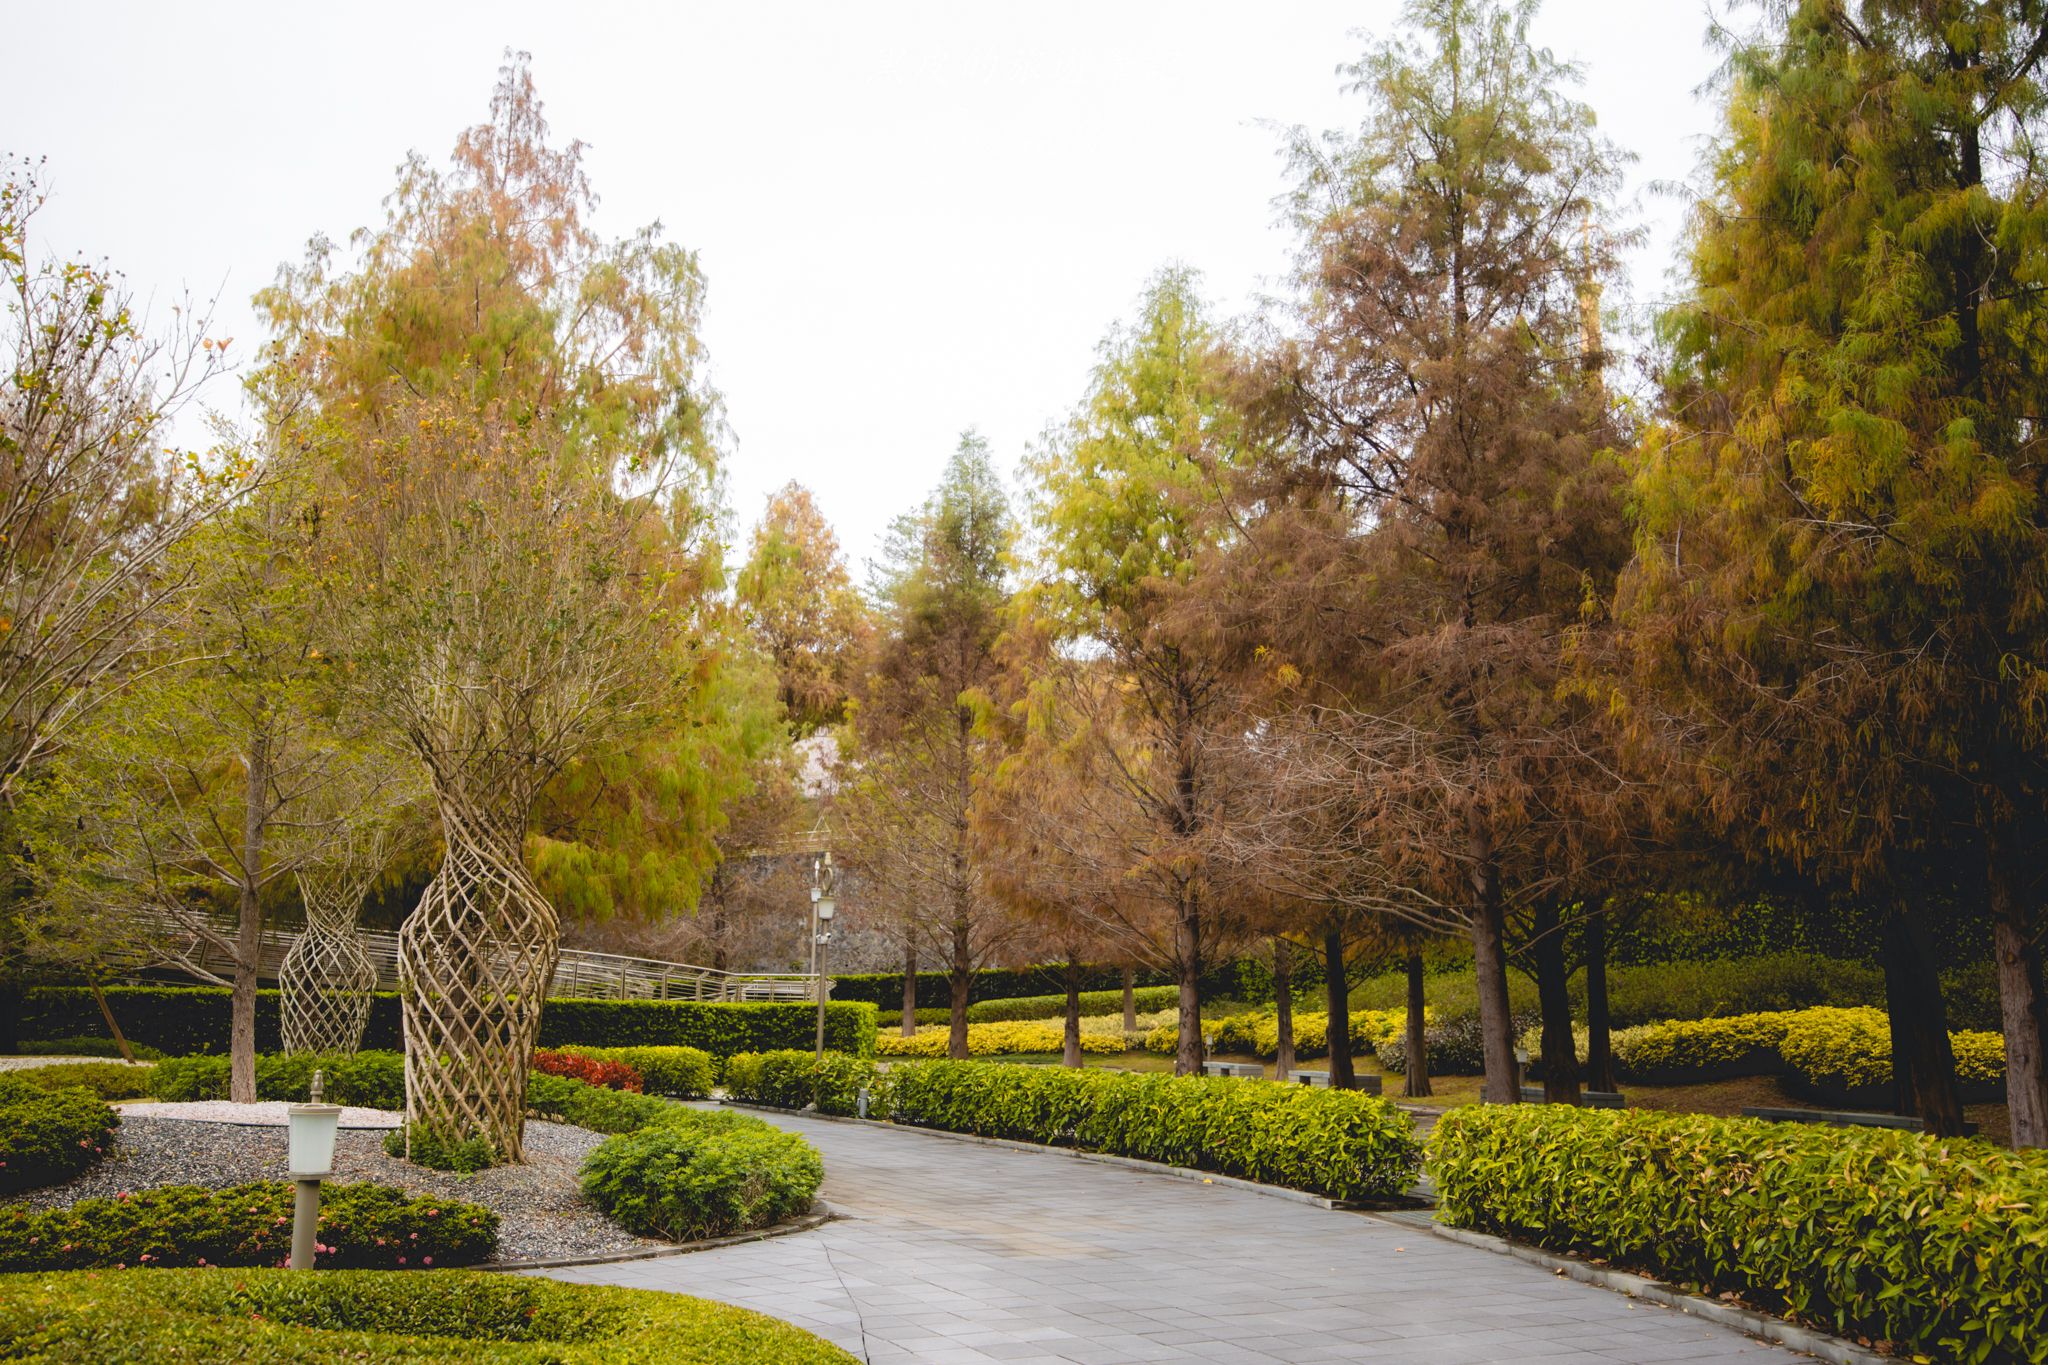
[[884, 990], [439, 1318], [47, 1136], [374, 1080], [362, 1225], [1148, 998], [791, 1080], [184, 1020], [718, 1029], [1342, 1143], [1938, 1245]]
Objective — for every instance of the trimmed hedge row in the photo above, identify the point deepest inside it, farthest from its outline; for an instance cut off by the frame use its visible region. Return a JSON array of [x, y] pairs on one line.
[[1338, 1143], [1937, 1245], [440, 1318], [993, 1040], [184, 1020], [934, 990], [374, 1080], [47, 1136], [790, 1080], [1146, 998], [1837, 1054], [361, 1225]]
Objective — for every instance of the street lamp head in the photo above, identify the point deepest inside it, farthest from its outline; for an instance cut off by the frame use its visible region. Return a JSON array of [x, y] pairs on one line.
[[827, 907], [310, 1136]]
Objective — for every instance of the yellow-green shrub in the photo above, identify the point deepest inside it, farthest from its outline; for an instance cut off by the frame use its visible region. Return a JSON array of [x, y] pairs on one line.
[[992, 1040], [1259, 1033], [1851, 1049], [1736, 1042], [1939, 1245]]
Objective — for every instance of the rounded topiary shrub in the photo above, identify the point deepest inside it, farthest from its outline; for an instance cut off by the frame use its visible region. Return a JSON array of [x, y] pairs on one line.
[[47, 1136], [702, 1175], [438, 1318]]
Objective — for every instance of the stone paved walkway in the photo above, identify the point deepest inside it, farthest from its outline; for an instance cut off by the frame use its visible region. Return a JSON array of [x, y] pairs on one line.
[[950, 1252]]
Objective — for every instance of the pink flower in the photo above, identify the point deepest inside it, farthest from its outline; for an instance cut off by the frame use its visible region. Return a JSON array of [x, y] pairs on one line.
[[426, 1260], [401, 1260]]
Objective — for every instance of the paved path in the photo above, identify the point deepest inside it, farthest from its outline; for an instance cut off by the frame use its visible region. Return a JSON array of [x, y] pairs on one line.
[[952, 1252]]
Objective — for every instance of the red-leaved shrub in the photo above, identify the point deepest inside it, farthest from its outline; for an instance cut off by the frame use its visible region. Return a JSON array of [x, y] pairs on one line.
[[590, 1070]]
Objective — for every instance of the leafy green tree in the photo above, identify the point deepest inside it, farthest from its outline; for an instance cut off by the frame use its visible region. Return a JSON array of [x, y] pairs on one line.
[[1840, 566], [1122, 505], [222, 771]]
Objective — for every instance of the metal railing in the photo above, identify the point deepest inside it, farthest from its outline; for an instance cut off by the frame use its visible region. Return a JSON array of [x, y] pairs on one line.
[[602, 976]]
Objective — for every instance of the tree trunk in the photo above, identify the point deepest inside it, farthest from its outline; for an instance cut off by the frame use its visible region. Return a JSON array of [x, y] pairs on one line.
[[1337, 1000], [1417, 1041], [120, 1039], [1187, 953], [960, 980], [1554, 998], [248, 925], [1070, 1047], [1923, 1066], [909, 1021], [1283, 1006], [1503, 1083], [2023, 1009], [1599, 1022], [1130, 1000]]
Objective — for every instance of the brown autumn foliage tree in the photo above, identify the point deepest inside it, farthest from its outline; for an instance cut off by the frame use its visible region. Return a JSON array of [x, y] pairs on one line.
[[1443, 496], [800, 604], [920, 748]]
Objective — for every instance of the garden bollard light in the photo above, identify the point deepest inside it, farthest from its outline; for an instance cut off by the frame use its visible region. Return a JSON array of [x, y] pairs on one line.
[[310, 1158], [861, 1106]]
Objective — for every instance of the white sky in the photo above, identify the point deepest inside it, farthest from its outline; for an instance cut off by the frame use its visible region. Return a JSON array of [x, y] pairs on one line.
[[915, 217]]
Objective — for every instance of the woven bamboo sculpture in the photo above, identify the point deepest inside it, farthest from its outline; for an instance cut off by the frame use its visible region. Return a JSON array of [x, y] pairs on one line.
[[326, 981], [474, 962]]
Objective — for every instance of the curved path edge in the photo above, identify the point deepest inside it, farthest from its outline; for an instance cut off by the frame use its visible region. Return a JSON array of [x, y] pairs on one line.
[[1106, 1158], [1832, 1349], [820, 1214], [963, 1253]]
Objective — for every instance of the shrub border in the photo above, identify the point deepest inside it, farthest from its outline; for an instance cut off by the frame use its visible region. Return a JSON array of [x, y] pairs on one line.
[[1833, 1349]]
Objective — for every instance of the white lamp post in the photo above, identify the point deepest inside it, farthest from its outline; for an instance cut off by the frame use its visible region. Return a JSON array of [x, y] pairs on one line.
[[310, 1130], [825, 880]]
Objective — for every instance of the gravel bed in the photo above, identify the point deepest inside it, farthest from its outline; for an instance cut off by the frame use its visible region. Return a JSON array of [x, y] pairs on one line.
[[542, 1212]]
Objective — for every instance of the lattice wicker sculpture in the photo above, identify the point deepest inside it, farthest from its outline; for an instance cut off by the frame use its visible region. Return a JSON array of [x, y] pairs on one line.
[[326, 980], [474, 962]]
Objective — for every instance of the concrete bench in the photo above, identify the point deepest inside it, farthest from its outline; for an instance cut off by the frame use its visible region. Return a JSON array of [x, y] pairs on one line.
[[1368, 1084], [1843, 1118], [1588, 1099], [1242, 1070]]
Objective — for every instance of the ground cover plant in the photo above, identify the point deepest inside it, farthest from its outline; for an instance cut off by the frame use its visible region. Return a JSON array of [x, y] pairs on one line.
[[362, 1225], [47, 1136], [591, 1070], [437, 1318], [108, 1080], [1939, 1245]]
